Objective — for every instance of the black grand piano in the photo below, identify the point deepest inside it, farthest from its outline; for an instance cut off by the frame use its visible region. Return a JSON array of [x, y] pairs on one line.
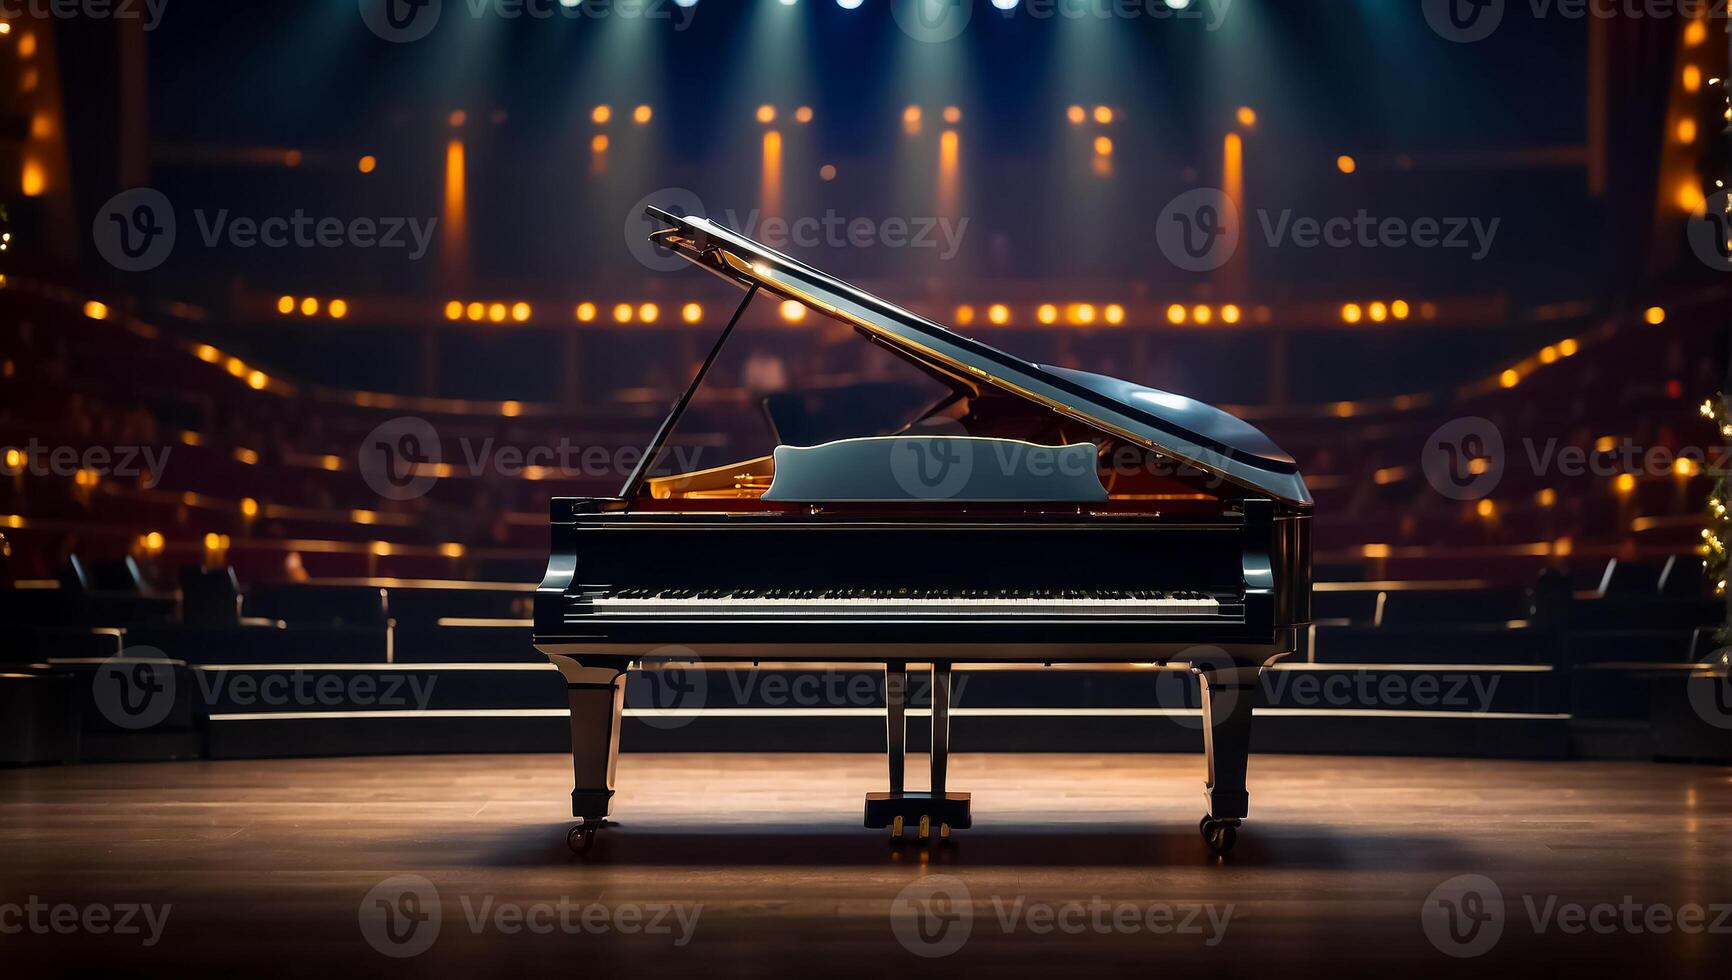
[[1029, 515]]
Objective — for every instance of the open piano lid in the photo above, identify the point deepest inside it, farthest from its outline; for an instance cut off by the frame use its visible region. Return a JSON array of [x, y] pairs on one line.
[[1173, 425]]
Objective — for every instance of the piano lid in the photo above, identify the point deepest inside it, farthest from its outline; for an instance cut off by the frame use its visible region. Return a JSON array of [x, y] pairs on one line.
[[1174, 425]]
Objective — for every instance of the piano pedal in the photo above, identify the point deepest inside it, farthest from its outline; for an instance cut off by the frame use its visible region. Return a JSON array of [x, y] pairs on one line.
[[896, 830]]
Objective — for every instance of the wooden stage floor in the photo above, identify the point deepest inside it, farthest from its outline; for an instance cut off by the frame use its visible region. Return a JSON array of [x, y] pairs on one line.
[[729, 865]]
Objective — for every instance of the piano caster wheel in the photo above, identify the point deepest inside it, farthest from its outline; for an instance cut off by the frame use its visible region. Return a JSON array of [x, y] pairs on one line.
[[582, 837], [896, 830], [1220, 835]]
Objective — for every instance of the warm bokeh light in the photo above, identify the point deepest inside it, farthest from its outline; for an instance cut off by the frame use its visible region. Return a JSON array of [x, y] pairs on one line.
[[367, 164], [1510, 378], [952, 114], [309, 306], [1399, 309], [95, 310], [1103, 146], [1346, 164], [496, 312], [249, 508], [1047, 313], [1695, 33], [642, 114], [1654, 315], [598, 143], [1625, 483], [793, 311], [601, 114], [257, 380], [1114, 314], [338, 308], [1103, 115], [454, 310], [691, 313], [1176, 314], [1230, 314], [1202, 315], [911, 119], [520, 312], [476, 312], [1351, 313], [1568, 347], [1076, 115], [1377, 312], [622, 313], [766, 114], [803, 114], [285, 304], [1247, 116], [964, 315], [649, 313], [998, 313], [1486, 509], [585, 312], [457, 118]]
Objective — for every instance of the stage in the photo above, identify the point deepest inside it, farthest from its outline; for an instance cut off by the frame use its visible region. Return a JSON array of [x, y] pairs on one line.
[[748, 865]]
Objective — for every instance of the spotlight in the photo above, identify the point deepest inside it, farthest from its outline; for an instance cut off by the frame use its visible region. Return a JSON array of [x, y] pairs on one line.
[[338, 309], [1006, 4], [1075, 114], [601, 114], [475, 312], [849, 4], [648, 312], [691, 313], [519, 312], [285, 304], [1103, 115], [585, 312], [642, 114], [1178, 4], [1047, 313], [766, 114], [1176, 314], [998, 313]]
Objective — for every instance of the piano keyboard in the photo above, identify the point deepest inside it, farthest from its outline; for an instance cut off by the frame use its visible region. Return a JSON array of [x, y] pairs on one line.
[[844, 602]]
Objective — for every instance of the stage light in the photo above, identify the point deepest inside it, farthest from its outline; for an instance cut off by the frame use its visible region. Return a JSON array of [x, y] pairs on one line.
[[285, 304], [685, 3], [1006, 4], [338, 309], [1486, 509], [207, 353], [1075, 114], [1686, 131], [789, 3], [1103, 146], [1376, 551], [1115, 314], [1103, 115], [5, 27], [1351, 313], [601, 114], [1377, 312], [1247, 116], [1695, 33], [213, 541], [34, 179], [1081, 314], [496, 312], [964, 315], [511, 409], [642, 114], [1510, 378], [849, 4], [827, 172], [1201, 315], [1690, 196], [998, 313], [256, 380], [1178, 4], [803, 114], [457, 118], [1230, 314], [911, 119], [1176, 314], [1625, 484], [454, 310], [649, 313], [309, 306], [691, 313], [1692, 79], [452, 549], [1346, 164], [585, 312], [952, 114], [1548, 354], [1047, 313], [475, 312], [1684, 466], [1655, 316], [1399, 309], [1548, 498], [1568, 347], [622, 313], [766, 114], [520, 312], [249, 508], [153, 542], [599, 143], [367, 164], [792, 311]]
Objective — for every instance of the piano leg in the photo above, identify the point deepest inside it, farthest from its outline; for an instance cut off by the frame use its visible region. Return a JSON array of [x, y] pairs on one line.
[[935, 813], [597, 696], [1228, 697]]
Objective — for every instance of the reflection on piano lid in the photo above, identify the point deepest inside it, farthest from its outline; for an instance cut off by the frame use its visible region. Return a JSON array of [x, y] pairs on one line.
[[1171, 425], [931, 468]]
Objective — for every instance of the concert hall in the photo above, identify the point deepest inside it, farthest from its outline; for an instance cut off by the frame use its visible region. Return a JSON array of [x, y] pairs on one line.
[[743, 488]]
